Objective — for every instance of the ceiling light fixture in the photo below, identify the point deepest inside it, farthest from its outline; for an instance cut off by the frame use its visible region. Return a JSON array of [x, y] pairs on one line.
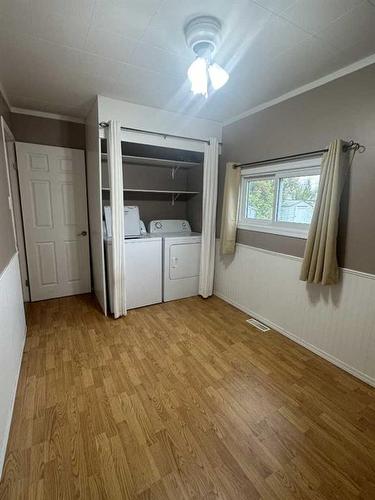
[[202, 36]]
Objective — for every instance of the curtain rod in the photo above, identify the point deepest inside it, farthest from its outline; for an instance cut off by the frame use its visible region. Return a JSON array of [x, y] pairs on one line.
[[351, 145], [151, 132]]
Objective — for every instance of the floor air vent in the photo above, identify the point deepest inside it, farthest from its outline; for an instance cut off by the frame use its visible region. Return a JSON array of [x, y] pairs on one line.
[[260, 326]]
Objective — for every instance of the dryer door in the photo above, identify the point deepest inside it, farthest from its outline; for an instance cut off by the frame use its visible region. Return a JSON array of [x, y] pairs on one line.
[[184, 260], [181, 267]]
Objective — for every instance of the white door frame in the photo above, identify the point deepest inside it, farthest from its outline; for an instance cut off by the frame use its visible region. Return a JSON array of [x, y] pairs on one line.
[[12, 173], [58, 250]]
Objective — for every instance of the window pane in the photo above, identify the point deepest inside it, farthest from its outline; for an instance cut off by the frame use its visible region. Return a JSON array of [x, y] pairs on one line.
[[260, 199], [297, 197]]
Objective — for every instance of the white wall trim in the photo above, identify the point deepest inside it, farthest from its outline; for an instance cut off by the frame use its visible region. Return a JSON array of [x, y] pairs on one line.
[[358, 273], [337, 362], [44, 114], [362, 63], [345, 270]]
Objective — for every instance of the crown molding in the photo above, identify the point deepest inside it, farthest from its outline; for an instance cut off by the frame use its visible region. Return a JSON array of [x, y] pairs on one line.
[[44, 114], [362, 63]]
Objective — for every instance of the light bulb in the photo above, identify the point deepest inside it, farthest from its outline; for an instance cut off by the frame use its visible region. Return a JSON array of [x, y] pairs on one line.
[[198, 77], [218, 76]]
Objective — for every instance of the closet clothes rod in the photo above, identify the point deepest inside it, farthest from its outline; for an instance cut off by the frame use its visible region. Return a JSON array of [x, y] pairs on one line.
[[160, 134], [349, 146]]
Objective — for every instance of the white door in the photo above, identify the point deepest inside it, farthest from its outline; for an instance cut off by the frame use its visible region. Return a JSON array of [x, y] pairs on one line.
[[54, 208]]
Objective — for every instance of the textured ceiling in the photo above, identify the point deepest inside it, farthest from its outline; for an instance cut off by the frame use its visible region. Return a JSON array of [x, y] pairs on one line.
[[56, 55]]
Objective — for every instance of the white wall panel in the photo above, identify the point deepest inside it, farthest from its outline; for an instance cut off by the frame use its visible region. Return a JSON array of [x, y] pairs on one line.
[[12, 338], [158, 120], [336, 322]]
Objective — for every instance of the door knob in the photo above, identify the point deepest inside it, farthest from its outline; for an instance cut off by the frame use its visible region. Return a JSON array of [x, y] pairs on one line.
[[83, 233]]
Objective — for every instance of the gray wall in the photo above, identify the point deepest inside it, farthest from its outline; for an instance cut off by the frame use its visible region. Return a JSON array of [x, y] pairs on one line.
[[343, 108], [33, 129], [158, 206], [4, 110], [40, 130], [7, 242]]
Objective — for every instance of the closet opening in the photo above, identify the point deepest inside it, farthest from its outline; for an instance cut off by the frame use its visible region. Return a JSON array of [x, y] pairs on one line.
[[162, 189]]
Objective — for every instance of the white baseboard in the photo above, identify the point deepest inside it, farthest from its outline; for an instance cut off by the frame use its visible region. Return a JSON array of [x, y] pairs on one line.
[[344, 366]]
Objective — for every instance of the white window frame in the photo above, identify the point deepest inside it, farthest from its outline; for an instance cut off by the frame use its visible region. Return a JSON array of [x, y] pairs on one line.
[[310, 166]]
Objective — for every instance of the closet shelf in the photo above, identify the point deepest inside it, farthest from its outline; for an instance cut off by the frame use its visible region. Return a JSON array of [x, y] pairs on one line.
[[155, 162], [165, 191]]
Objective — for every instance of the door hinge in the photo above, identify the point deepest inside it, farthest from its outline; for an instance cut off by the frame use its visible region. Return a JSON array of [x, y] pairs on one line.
[[27, 283]]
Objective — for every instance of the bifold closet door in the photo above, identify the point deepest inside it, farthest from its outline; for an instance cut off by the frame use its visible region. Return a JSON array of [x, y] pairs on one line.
[[115, 175], [54, 208], [95, 203]]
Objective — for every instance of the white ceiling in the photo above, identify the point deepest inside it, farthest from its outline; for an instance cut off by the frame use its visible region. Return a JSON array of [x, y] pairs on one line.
[[56, 55]]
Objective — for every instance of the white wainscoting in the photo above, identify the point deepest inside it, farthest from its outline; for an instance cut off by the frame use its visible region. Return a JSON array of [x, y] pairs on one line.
[[12, 339], [336, 322]]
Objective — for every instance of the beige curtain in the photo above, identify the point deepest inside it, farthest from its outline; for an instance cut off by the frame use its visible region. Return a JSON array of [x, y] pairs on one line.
[[320, 260], [229, 212], [210, 174]]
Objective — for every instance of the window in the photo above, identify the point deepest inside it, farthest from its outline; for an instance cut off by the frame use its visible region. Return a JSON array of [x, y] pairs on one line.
[[279, 198], [259, 198]]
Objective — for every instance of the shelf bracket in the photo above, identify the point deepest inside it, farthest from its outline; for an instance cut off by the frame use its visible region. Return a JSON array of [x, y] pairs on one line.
[[174, 171], [175, 197]]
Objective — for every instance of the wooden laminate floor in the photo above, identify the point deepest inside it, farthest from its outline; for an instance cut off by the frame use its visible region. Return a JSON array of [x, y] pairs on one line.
[[182, 400]]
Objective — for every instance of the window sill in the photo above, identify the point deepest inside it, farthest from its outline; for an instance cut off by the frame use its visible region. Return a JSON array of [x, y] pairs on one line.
[[281, 231]]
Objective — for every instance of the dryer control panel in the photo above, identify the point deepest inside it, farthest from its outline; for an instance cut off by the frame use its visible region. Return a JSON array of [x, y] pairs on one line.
[[169, 226]]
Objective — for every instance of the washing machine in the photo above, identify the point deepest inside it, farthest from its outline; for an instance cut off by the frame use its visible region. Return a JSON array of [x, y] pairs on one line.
[[181, 257], [143, 279]]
